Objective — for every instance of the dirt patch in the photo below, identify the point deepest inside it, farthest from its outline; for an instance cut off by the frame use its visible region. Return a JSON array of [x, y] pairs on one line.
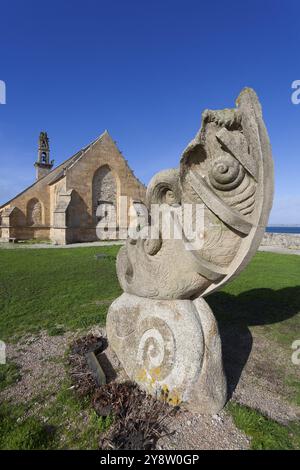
[[256, 369], [202, 432], [255, 376], [144, 423], [40, 359]]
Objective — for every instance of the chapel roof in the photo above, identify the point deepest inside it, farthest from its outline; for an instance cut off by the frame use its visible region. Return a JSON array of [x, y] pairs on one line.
[[58, 172]]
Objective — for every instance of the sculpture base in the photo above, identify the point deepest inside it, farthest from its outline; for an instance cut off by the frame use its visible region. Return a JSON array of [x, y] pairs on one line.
[[171, 348]]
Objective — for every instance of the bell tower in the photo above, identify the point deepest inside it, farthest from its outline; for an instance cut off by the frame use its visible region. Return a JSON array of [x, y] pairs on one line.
[[43, 165]]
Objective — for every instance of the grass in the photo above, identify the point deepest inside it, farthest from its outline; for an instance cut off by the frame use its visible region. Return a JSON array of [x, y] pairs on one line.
[[68, 289], [265, 294], [19, 433], [294, 387], [9, 374], [55, 289], [66, 423], [265, 299], [77, 425], [265, 433]]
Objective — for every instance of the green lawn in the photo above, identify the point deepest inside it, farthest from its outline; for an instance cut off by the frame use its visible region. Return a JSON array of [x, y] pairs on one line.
[[265, 433], [58, 426], [266, 293], [68, 289], [55, 289], [61, 289]]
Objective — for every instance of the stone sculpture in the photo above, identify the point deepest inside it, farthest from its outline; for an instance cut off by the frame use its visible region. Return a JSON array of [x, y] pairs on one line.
[[161, 328]]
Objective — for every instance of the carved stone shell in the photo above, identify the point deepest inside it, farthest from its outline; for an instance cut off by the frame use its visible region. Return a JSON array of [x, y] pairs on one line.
[[227, 168]]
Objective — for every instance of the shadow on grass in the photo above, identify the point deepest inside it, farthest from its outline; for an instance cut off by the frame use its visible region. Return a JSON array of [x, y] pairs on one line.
[[235, 313]]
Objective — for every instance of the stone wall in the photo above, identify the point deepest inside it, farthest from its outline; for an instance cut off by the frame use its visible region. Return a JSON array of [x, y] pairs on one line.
[[108, 176], [282, 240], [21, 228], [104, 187], [62, 205]]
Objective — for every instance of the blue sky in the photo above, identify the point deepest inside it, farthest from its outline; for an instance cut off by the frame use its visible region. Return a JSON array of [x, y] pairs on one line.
[[145, 71]]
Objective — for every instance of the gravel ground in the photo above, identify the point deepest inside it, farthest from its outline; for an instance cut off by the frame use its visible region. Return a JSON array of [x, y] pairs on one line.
[[259, 386], [203, 432], [279, 249], [11, 246], [272, 249], [40, 359], [257, 369]]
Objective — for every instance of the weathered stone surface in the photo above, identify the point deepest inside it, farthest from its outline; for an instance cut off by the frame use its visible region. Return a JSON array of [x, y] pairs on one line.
[[228, 168], [165, 340], [282, 240], [67, 196], [43, 165], [34, 212], [171, 348]]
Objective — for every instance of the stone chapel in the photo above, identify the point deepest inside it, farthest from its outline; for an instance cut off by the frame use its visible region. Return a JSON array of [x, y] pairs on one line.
[[61, 204]]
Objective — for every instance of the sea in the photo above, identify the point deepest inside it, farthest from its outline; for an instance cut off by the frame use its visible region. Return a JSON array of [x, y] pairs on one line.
[[283, 229]]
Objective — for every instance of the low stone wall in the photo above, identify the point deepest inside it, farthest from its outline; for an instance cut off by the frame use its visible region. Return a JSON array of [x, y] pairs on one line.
[[283, 240]]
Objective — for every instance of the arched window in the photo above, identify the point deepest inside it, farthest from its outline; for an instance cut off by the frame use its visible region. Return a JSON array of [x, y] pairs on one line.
[[104, 188], [34, 212]]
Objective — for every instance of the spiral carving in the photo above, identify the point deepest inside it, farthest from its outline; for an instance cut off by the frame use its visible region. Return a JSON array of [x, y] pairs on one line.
[[152, 246], [155, 352], [226, 173], [164, 188]]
